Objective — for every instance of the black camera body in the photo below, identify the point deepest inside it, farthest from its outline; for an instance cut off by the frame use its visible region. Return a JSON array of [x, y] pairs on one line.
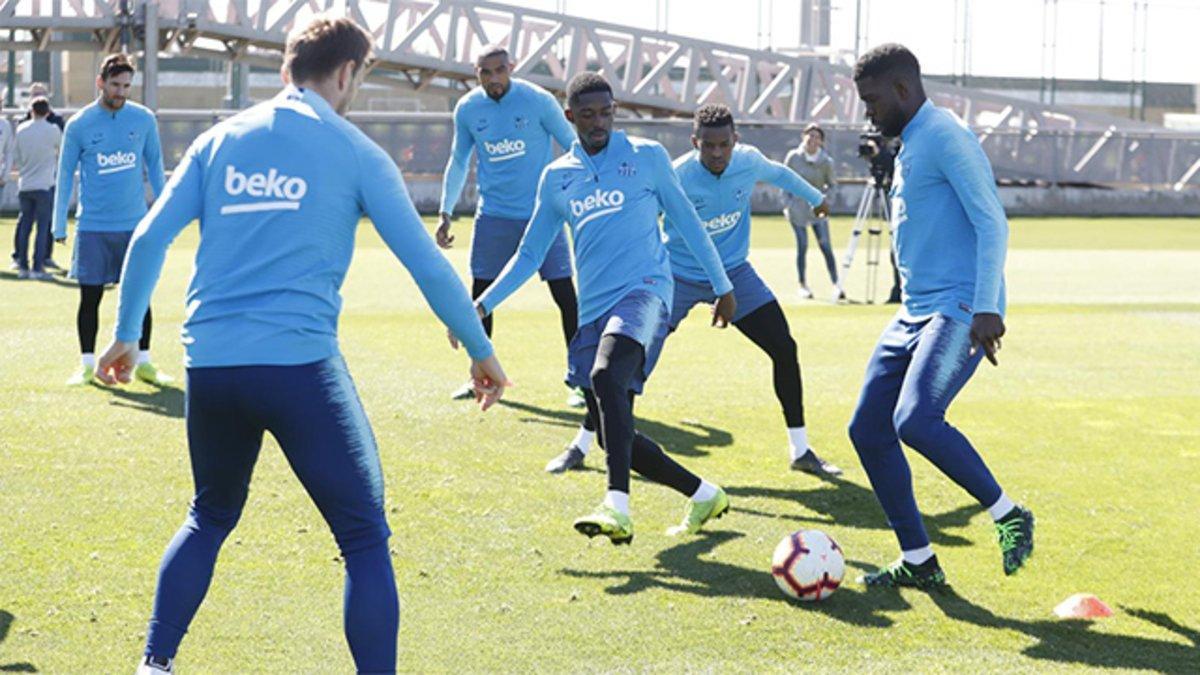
[[870, 144], [877, 150]]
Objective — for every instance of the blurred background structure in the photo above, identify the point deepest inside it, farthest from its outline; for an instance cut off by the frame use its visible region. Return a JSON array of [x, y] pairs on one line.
[[1083, 106]]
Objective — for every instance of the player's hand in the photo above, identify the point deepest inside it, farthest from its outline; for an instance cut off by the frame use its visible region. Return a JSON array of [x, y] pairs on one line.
[[822, 210], [723, 310], [444, 238], [986, 331], [489, 381], [117, 362]]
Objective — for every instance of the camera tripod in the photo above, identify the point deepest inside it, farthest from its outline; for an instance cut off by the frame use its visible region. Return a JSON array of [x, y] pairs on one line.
[[873, 216]]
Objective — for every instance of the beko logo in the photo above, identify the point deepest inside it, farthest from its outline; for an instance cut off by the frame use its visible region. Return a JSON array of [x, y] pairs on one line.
[[504, 150], [599, 203], [283, 192], [117, 161]]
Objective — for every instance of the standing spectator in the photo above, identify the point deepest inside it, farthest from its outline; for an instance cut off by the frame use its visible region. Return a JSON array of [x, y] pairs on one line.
[[816, 166], [36, 153], [40, 90], [35, 90]]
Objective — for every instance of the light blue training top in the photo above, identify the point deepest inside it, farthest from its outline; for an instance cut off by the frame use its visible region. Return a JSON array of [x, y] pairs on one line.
[[511, 138], [723, 204], [116, 151], [949, 228], [611, 202], [279, 189]]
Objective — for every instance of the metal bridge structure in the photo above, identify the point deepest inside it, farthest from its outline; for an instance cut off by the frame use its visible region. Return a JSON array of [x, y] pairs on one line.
[[431, 45]]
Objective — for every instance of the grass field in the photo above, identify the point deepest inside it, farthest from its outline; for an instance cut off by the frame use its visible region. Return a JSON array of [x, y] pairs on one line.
[[1092, 419]]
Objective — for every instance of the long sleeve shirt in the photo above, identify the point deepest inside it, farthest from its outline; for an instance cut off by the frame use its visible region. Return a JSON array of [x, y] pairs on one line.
[[611, 201], [512, 140], [116, 151], [36, 154], [723, 204], [950, 231], [278, 190]]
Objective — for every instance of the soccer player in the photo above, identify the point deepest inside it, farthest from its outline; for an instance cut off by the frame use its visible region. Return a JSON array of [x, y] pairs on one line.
[[950, 241], [719, 177], [114, 141], [510, 123], [610, 188], [289, 176], [814, 165]]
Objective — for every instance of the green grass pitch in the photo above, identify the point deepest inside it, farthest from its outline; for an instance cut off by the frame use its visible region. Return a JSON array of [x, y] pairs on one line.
[[1092, 419]]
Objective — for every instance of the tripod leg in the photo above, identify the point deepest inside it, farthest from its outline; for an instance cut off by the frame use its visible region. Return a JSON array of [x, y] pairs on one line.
[[860, 219]]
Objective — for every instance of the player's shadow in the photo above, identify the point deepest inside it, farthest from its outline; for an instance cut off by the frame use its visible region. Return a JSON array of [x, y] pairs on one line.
[[692, 567], [688, 440], [166, 401], [6, 622], [1074, 642], [842, 503]]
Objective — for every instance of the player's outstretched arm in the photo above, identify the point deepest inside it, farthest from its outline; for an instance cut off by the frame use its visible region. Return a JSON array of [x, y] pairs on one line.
[[545, 224], [679, 209], [179, 204], [965, 166], [386, 202], [68, 161], [455, 177], [781, 176]]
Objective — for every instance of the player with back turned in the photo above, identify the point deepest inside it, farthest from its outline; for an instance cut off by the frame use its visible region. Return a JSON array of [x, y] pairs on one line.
[[290, 176]]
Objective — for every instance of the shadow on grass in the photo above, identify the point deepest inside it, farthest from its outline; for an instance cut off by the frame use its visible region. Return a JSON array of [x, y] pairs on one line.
[[687, 440], [691, 568], [6, 622], [850, 505], [1074, 641], [166, 401]]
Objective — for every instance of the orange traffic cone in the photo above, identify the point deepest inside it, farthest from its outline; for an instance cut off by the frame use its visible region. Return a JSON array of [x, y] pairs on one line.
[[1082, 606]]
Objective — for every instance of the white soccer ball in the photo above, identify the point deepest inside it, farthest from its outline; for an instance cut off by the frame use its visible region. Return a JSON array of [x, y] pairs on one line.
[[808, 565]]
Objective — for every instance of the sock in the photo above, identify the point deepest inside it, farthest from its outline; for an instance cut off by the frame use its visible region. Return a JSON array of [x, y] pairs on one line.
[[617, 501], [583, 440], [143, 356], [705, 492], [1001, 507], [918, 555], [798, 438], [88, 360]]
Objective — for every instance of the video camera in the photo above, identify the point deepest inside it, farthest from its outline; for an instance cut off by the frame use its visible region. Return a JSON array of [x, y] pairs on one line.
[[878, 151]]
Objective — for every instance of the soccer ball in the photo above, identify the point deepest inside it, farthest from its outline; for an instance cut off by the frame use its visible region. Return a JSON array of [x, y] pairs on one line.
[[808, 565]]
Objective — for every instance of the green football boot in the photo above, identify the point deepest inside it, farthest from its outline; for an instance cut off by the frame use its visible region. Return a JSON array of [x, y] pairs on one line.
[[609, 522], [1014, 532], [149, 373], [698, 513], [927, 575], [84, 375]]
